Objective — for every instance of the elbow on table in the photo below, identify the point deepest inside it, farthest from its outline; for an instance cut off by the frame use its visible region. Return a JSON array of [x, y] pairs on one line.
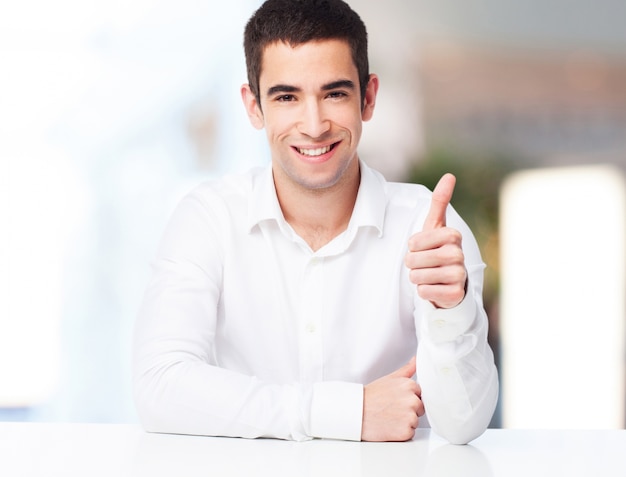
[[157, 416], [152, 396], [469, 425], [462, 434], [148, 410]]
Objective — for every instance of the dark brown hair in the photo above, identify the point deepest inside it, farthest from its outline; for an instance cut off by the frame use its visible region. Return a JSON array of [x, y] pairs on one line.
[[295, 22]]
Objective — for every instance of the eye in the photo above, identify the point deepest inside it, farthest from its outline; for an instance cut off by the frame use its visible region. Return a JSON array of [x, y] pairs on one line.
[[337, 95], [284, 98]]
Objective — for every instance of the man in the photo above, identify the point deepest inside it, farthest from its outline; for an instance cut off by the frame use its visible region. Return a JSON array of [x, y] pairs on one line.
[[300, 300]]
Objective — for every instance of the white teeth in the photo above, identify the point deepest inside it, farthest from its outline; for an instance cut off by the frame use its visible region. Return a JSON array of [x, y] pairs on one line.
[[314, 152]]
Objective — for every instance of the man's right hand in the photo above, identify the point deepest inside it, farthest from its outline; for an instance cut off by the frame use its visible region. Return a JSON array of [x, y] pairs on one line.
[[392, 406]]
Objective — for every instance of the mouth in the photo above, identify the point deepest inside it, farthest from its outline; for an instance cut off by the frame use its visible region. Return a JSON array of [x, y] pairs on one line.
[[315, 151]]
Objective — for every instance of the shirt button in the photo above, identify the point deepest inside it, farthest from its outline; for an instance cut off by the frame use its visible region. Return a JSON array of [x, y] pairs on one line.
[[446, 371], [439, 323], [310, 328]]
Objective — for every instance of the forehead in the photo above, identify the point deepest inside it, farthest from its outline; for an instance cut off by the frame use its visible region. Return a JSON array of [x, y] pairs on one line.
[[323, 60]]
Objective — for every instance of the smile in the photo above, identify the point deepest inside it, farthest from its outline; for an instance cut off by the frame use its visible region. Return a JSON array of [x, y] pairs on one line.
[[314, 152]]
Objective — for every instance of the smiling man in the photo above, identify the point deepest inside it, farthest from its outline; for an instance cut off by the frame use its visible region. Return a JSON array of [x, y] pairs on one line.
[[311, 108], [312, 298]]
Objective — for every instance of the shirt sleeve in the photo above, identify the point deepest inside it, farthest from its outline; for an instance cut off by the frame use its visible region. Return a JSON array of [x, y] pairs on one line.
[[455, 365], [178, 384]]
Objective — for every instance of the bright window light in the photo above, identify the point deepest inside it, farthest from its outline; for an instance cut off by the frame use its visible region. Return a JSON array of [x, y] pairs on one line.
[[30, 289], [563, 307]]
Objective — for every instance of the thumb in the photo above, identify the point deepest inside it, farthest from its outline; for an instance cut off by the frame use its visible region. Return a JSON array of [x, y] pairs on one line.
[[442, 194], [406, 371]]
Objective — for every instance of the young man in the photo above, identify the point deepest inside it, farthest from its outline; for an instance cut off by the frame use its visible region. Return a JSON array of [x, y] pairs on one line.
[[298, 301]]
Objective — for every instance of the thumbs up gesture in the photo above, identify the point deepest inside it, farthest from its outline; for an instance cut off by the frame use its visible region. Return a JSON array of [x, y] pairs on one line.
[[435, 258]]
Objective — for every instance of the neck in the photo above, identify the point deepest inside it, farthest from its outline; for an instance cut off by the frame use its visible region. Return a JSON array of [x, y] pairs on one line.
[[320, 215]]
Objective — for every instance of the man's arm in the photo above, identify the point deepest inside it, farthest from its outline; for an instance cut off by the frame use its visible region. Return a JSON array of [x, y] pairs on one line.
[[179, 386], [458, 376], [455, 365], [456, 368]]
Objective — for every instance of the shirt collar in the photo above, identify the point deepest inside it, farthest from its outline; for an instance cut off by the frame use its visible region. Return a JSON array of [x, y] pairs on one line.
[[369, 209], [263, 203], [371, 201]]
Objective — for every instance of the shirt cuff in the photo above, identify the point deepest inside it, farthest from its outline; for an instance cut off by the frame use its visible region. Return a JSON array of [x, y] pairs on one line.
[[337, 410], [446, 324]]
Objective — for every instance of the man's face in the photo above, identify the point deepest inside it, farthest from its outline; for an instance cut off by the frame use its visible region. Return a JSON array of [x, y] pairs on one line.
[[312, 112]]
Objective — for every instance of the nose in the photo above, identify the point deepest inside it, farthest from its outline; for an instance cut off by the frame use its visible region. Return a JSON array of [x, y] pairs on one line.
[[313, 121]]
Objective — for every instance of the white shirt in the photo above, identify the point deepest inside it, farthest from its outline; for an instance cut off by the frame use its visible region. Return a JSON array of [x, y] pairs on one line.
[[245, 331]]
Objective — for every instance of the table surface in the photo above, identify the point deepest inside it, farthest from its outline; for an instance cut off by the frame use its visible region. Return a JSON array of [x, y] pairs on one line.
[[50, 449]]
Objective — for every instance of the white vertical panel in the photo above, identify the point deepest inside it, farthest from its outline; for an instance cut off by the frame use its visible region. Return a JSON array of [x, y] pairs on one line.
[[563, 306], [35, 219]]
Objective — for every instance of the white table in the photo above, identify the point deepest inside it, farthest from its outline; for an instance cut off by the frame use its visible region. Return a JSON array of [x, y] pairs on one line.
[[88, 450]]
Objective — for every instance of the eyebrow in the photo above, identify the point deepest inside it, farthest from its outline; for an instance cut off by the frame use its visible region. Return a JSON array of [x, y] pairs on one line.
[[347, 84], [284, 88]]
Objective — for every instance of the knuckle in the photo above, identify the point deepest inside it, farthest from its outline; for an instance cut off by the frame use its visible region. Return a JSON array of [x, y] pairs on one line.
[[454, 236], [415, 404], [458, 255], [457, 275], [408, 434], [452, 253]]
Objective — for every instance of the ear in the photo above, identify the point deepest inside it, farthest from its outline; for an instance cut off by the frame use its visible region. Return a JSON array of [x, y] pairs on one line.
[[370, 98], [252, 107]]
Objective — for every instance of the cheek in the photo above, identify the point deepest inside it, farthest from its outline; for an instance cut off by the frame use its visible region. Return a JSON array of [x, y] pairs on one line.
[[356, 127], [279, 125], [350, 119]]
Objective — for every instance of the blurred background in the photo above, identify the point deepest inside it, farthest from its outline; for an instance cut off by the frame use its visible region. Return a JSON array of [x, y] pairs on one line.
[[111, 111]]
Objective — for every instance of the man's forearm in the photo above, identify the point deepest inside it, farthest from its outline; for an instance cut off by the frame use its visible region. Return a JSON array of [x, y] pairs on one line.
[[459, 380]]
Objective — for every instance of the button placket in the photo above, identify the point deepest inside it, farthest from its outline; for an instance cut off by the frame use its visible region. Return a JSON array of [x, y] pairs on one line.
[[312, 292]]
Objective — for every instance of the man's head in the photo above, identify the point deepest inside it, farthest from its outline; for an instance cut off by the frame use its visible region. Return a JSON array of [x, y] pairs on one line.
[[295, 22]]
